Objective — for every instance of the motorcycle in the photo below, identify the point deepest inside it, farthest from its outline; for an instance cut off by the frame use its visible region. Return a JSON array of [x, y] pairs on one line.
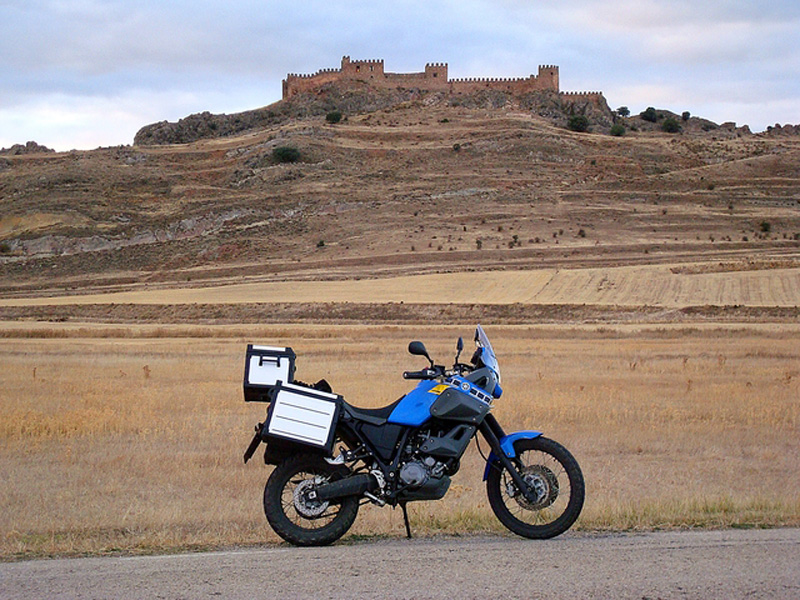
[[330, 457]]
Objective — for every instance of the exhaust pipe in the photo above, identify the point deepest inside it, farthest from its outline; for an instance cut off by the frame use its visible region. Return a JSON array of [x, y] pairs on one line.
[[354, 485]]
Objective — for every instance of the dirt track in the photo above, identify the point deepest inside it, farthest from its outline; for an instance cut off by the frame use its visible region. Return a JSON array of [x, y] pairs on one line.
[[697, 564]]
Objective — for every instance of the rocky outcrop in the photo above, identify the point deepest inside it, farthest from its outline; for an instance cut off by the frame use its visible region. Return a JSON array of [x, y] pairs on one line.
[[353, 98], [61, 245], [29, 148], [782, 130]]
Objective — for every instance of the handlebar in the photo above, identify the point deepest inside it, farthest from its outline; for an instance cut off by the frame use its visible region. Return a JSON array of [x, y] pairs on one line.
[[436, 371], [424, 374]]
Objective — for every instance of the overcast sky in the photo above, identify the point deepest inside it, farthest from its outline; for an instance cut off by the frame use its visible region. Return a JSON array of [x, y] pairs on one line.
[[87, 73]]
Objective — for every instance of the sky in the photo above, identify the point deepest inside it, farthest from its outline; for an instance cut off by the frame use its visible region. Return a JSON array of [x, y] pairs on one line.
[[79, 74]]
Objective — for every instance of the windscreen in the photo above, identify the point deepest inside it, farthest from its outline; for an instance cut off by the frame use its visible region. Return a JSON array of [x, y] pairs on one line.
[[487, 356]]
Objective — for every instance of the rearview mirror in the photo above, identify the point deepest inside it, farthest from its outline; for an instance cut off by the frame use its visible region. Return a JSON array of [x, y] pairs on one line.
[[418, 349]]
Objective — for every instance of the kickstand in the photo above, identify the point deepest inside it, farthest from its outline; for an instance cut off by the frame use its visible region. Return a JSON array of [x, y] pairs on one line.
[[405, 518]]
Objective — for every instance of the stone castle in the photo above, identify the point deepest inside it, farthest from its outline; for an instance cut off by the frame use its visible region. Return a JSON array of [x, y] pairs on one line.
[[433, 78]]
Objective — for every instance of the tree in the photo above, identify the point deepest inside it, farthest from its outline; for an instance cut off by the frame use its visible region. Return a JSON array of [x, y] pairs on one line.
[[578, 123], [649, 114], [670, 125], [685, 115], [617, 130], [623, 111], [286, 154]]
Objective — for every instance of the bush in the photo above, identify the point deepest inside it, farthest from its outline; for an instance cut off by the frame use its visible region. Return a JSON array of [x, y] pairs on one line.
[[618, 129], [333, 117], [649, 114], [578, 123], [286, 154], [765, 227], [5, 248], [685, 115], [670, 125]]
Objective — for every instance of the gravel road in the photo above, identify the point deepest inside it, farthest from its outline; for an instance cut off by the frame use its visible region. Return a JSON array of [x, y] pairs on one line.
[[696, 564]]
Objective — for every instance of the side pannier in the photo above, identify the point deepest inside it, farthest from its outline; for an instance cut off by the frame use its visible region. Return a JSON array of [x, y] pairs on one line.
[[303, 415]]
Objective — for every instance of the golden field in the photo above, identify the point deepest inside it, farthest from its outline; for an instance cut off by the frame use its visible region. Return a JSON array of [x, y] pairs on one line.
[[736, 283], [130, 438]]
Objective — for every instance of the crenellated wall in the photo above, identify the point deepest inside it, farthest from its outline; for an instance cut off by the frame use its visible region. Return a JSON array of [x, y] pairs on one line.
[[433, 78]]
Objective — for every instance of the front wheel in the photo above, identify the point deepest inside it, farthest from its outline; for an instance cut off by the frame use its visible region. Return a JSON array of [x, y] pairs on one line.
[[557, 481], [293, 513]]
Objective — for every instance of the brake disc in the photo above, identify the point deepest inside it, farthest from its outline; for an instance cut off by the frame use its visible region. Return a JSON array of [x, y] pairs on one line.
[[304, 505], [542, 481]]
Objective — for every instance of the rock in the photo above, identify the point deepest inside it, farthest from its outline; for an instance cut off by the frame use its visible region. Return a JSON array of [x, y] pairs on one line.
[[29, 148]]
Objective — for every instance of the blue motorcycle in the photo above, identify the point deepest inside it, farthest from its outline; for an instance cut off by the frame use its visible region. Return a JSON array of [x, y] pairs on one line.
[[330, 457]]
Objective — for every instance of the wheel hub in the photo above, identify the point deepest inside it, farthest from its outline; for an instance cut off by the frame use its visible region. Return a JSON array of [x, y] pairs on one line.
[[303, 504], [542, 482]]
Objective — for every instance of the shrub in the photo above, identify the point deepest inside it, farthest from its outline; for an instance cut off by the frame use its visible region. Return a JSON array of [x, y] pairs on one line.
[[333, 117], [321, 244], [649, 114], [286, 154], [765, 227], [5, 248], [618, 129], [685, 115], [670, 125], [578, 123]]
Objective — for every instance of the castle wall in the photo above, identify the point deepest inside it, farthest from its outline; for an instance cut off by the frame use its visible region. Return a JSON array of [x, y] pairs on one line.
[[295, 84], [434, 78]]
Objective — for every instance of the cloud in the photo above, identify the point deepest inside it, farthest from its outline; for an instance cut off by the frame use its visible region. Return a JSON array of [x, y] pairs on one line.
[[79, 58]]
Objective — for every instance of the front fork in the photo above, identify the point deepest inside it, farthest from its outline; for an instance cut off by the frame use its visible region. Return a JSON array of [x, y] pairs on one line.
[[493, 433]]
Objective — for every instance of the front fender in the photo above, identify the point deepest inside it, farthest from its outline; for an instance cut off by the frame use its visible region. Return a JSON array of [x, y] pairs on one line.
[[507, 445]]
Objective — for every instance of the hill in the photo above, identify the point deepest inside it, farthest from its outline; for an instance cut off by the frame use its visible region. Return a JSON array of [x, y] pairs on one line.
[[406, 183]]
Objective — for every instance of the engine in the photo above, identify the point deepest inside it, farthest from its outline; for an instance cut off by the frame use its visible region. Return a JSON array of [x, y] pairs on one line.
[[416, 473]]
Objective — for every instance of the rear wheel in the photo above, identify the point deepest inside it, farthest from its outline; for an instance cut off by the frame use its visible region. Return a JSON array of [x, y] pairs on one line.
[[554, 475], [294, 515]]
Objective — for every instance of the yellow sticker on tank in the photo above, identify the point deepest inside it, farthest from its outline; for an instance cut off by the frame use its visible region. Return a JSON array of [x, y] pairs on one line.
[[438, 389]]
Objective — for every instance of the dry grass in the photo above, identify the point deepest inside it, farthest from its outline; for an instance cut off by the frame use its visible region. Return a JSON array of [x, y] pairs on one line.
[[132, 442]]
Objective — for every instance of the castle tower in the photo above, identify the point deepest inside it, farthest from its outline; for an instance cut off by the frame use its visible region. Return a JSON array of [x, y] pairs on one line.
[[548, 77], [363, 70], [436, 71]]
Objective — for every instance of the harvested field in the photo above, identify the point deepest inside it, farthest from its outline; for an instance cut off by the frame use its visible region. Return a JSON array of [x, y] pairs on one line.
[[129, 438], [660, 286]]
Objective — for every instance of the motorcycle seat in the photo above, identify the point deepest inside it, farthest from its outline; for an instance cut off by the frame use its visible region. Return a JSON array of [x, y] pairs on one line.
[[373, 416]]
